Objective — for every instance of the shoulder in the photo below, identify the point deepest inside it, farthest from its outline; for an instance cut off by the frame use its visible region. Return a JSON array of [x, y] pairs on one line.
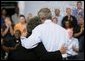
[[61, 28], [75, 39], [64, 18], [38, 27]]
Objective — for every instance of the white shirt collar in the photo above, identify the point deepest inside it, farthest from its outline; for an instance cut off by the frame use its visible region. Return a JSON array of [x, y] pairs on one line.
[[47, 21]]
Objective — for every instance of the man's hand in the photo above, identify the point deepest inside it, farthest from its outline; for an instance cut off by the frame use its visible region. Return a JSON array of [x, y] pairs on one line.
[[24, 34]]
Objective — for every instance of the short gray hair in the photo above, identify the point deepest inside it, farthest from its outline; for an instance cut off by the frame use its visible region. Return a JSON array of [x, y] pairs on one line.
[[45, 12]]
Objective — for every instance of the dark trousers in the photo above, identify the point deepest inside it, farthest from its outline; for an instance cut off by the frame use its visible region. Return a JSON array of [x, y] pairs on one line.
[[52, 56], [42, 54], [80, 56], [81, 44], [72, 57], [22, 54], [37, 53]]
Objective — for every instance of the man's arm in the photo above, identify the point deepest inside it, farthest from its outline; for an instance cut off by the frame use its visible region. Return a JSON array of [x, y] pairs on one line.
[[32, 40]]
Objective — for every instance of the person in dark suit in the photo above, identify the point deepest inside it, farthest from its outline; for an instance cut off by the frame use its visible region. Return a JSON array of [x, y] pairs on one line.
[[69, 17]]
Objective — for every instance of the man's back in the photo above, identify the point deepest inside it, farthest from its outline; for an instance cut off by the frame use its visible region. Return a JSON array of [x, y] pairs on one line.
[[52, 35]]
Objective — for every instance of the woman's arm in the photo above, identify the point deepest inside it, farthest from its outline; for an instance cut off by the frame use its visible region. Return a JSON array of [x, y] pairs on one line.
[[5, 48], [11, 30], [79, 33], [6, 30]]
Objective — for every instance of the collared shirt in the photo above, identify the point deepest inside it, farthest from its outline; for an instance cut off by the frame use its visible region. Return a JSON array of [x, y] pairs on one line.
[[77, 13], [50, 34], [60, 17], [72, 42]]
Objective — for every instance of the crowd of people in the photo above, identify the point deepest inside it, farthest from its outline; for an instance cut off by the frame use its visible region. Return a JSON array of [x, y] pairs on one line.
[[43, 37]]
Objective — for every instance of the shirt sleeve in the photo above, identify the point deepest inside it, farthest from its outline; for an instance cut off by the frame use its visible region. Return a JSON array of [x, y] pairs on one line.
[[67, 39], [74, 12], [76, 43], [33, 40], [64, 39]]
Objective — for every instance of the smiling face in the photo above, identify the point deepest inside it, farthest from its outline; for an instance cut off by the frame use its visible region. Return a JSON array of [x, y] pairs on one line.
[[68, 11], [70, 32], [22, 20], [79, 5], [57, 12], [81, 21], [17, 34]]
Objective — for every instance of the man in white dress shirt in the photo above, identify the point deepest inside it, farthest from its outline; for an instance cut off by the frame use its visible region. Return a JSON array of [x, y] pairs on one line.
[[52, 36]]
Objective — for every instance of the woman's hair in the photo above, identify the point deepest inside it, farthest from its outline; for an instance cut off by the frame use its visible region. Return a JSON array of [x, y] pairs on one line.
[[70, 24], [22, 16]]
